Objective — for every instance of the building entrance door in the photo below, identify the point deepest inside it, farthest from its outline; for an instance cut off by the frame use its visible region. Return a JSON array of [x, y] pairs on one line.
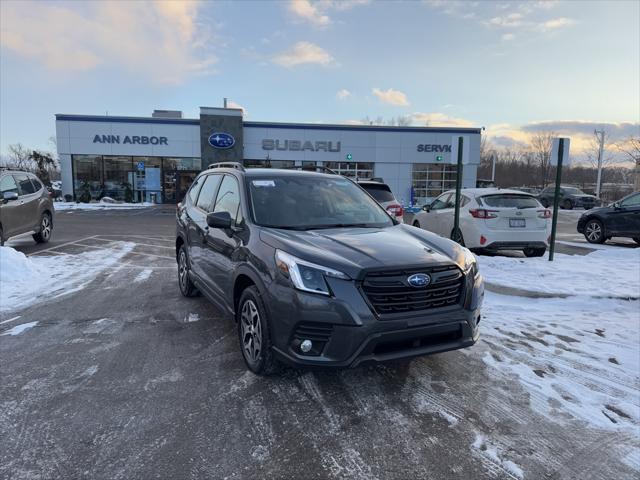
[[176, 184]]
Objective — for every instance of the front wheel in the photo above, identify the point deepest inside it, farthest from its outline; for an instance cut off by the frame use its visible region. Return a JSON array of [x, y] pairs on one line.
[[253, 333], [46, 229], [567, 205], [594, 231], [187, 288], [1, 237], [534, 252]]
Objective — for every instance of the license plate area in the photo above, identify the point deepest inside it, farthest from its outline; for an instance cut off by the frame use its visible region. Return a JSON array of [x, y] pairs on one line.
[[517, 223]]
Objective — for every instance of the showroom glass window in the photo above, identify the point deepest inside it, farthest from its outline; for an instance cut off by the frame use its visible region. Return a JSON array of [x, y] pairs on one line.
[[87, 175], [118, 178], [360, 170], [250, 163], [430, 180]]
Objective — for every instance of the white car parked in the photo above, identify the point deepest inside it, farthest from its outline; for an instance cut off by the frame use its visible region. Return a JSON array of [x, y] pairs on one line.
[[490, 219]]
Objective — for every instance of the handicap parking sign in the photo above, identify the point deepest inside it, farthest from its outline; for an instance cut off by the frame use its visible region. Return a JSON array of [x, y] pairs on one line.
[[140, 166]]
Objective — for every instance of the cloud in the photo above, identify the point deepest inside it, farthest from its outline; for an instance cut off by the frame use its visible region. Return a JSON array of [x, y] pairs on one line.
[[343, 94], [303, 53], [508, 37], [232, 104], [436, 119], [510, 20], [316, 12], [392, 97], [568, 127], [555, 24], [161, 41]]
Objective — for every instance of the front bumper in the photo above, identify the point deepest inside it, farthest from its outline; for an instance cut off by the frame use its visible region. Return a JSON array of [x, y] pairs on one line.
[[346, 332]]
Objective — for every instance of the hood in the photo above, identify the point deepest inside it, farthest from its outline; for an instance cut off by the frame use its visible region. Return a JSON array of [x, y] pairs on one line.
[[355, 250]]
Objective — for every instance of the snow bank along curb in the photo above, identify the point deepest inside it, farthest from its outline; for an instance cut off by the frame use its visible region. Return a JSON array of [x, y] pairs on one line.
[[100, 206], [27, 280]]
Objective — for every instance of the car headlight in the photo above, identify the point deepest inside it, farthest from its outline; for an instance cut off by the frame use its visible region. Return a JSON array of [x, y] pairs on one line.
[[470, 263], [306, 276]]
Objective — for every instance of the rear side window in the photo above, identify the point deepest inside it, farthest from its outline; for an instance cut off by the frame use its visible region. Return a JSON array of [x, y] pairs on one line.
[[25, 186], [382, 192], [8, 184], [632, 201], [229, 199], [509, 200], [36, 183], [209, 187]]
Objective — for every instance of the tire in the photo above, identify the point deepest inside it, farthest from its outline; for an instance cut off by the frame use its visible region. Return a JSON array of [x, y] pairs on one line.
[[545, 203], [637, 240], [46, 229], [456, 236], [567, 205], [534, 252], [1, 237], [253, 333], [594, 231], [187, 288], [416, 223]]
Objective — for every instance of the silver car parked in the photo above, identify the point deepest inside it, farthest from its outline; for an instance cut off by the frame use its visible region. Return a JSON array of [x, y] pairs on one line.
[[25, 206]]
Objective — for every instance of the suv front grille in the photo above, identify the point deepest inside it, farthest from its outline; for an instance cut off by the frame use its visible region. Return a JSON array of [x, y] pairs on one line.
[[389, 292]]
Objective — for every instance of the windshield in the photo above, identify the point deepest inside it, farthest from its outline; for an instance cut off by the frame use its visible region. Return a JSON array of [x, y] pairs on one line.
[[573, 191], [382, 193], [510, 200], [310, 202]]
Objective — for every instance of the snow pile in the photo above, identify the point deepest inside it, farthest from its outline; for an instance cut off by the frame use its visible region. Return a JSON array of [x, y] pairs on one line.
[[579, 357], [102, 205], [23, 280], [611, 272]]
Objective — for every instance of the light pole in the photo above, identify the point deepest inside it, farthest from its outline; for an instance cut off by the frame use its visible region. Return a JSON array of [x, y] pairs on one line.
[[600, 135]]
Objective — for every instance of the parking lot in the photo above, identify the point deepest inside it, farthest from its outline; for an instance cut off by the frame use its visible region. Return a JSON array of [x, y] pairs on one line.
[[122, 377]]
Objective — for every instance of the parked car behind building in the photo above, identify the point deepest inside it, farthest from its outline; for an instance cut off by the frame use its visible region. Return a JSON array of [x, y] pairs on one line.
[[25, 206]]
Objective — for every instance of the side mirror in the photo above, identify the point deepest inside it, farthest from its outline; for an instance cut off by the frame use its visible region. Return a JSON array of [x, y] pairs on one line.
[[426, 207], [219, 220], [617, 205], [9, 196]]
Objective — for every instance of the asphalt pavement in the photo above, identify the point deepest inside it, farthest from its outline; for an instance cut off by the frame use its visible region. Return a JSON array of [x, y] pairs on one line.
[[127, 379]]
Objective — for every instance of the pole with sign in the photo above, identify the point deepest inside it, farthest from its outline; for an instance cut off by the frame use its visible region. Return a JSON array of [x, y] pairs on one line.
[[559, 152]]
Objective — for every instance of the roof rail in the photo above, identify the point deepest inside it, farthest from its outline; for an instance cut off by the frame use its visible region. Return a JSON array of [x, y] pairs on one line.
[[312, 167], [236, 165]]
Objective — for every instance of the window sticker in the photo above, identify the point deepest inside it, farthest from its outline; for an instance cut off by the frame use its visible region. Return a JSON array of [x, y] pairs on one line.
[[264, 183]]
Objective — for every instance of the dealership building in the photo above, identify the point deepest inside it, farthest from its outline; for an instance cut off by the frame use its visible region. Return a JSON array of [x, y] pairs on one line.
[[156, 158]]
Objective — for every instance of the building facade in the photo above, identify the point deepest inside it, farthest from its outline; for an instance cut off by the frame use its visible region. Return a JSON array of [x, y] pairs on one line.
[[156, 158]]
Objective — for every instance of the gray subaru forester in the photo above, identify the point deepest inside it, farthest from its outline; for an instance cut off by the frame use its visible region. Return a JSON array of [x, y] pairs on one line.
[[25, 206], [316, 273]]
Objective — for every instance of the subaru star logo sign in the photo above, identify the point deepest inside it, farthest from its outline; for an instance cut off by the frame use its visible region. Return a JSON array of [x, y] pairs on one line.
[[221, 140], [419, 280]]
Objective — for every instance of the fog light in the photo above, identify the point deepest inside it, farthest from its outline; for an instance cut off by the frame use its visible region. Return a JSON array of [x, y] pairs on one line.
[[305, 346]]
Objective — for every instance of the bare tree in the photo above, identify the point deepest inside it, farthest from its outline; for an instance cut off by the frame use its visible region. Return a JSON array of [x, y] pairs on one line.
[[630, 147], [594, 150], [541, 143], [19, 157]]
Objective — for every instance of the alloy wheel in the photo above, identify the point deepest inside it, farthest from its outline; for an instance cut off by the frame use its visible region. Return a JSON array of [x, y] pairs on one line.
[[593, 231], [183, 270], [251, 331], [45, 227]]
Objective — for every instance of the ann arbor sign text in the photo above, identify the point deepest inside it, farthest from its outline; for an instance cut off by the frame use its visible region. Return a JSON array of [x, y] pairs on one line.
[[133, 139]]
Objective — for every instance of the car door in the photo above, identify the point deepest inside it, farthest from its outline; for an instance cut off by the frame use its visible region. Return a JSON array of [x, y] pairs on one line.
[[10, 216], [28, 199], [625, 219], [221, 245], [430, 220], [197, 224]]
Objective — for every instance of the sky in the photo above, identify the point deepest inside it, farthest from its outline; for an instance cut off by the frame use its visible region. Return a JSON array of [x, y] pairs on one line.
[[511, 67]]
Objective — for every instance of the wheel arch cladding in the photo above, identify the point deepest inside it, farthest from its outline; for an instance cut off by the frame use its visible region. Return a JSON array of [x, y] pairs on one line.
[[241, 282], [179, 243]]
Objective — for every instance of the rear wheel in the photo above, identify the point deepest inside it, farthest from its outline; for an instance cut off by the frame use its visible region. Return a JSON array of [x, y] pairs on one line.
[[253, 333], [187, 288], [545, 203], [534, 252], [567, 205], [594, 231], [416, 223], [46, 229], [456, 236], [1, 237]]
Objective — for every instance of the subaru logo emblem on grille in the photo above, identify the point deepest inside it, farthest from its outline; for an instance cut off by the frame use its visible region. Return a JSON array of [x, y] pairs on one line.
[[221, 140], [419, 280]]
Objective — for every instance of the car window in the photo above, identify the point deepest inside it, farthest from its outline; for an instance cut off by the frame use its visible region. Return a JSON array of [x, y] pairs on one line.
[[509, 200], [381, 192], [25, 187], [632, 201], [8, 184], [228, 199], [441, 202], [195, 188], [36, 183], [464, 201], [572, 191], [207, 192]]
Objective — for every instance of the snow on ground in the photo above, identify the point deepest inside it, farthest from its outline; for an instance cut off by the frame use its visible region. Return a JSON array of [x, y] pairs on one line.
[[607, 272], [18, 329], [578, 357], [100, 206], [24, 280]]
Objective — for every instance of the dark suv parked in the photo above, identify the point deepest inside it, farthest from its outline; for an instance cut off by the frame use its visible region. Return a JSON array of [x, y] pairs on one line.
[[570, 197], [316, 272], [620, 219]]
